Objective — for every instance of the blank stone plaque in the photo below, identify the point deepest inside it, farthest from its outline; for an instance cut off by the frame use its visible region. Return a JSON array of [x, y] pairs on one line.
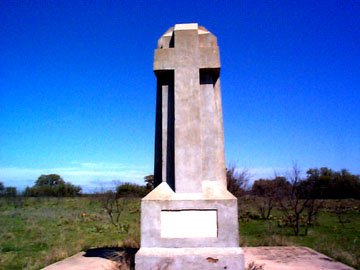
[[188, 223]]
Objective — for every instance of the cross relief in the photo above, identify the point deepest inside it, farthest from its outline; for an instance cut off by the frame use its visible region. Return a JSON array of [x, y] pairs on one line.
[[185, 60]]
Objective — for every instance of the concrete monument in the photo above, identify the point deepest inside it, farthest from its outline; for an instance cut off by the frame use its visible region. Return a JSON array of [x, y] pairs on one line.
[[189, 221]]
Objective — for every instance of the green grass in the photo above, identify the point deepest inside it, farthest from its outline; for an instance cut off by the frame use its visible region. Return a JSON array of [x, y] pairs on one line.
[[36, 232], [328, 236], [39, 232]]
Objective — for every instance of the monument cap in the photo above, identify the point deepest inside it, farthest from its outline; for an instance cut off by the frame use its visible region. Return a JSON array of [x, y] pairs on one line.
[[186, 26]]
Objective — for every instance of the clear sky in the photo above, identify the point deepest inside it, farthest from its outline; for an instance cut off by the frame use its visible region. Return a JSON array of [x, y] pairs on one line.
[[77, 90]]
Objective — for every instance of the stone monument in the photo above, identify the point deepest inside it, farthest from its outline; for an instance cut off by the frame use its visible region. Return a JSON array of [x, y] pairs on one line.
[[189, 221]]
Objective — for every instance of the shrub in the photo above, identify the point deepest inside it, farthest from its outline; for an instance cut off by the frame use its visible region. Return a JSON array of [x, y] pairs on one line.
[[7, 191], [52, 185], [2, 188], [10, 192], [131, 190]]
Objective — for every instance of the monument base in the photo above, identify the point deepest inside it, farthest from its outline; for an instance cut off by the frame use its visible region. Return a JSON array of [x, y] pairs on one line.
[[191, 220], [190, 258]]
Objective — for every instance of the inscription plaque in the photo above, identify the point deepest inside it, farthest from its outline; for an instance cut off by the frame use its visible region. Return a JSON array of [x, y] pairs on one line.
[[188, 223]]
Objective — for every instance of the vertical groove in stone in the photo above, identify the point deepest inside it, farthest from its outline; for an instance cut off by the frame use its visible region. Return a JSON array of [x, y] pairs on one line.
[[165, 97], [164, 131], [158, 133], [170, 146]]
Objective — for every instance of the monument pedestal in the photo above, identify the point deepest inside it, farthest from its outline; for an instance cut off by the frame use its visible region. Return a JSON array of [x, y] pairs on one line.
[[189, 230], [190, 258]]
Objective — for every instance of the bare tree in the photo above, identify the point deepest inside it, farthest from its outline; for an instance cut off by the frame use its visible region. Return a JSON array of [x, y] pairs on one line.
[[340, 210], [267, 192], [112, 203], [114, 206], [300, 204], [312, 210], [265, 206], [313, 206], [237, 180], [294, 202]]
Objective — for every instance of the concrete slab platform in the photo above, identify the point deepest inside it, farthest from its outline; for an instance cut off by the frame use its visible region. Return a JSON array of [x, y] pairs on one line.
[[190, 258], [98, 259], [81, 262], [290, 258], [271, 258]]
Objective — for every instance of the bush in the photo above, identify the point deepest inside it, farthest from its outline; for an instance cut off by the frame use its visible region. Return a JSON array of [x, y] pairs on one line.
[[7, 191], [2, 188], [131, 190], [237, 181], [52, 185], [10, 192]]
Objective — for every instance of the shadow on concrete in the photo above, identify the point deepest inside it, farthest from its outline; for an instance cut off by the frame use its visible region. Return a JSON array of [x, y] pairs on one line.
[[125, 257]]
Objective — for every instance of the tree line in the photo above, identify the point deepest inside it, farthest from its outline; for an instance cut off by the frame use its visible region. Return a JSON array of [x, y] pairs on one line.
[[299, 198], [53, 185], [323, 183], [47, 185]]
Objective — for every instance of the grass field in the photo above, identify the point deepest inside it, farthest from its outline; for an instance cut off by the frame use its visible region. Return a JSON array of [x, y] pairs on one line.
[[35, 232]]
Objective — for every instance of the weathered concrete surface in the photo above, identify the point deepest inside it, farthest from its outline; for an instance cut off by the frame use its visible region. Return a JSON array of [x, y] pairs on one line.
[[80, 262], [291, 258], [189, 258], [272, 258], [98, 259], [213, 197]]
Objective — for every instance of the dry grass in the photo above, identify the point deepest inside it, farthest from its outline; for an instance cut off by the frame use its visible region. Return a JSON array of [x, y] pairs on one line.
[[254, 266]]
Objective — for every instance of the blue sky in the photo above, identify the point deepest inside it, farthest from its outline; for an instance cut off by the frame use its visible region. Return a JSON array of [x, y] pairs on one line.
[[77, 90]]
